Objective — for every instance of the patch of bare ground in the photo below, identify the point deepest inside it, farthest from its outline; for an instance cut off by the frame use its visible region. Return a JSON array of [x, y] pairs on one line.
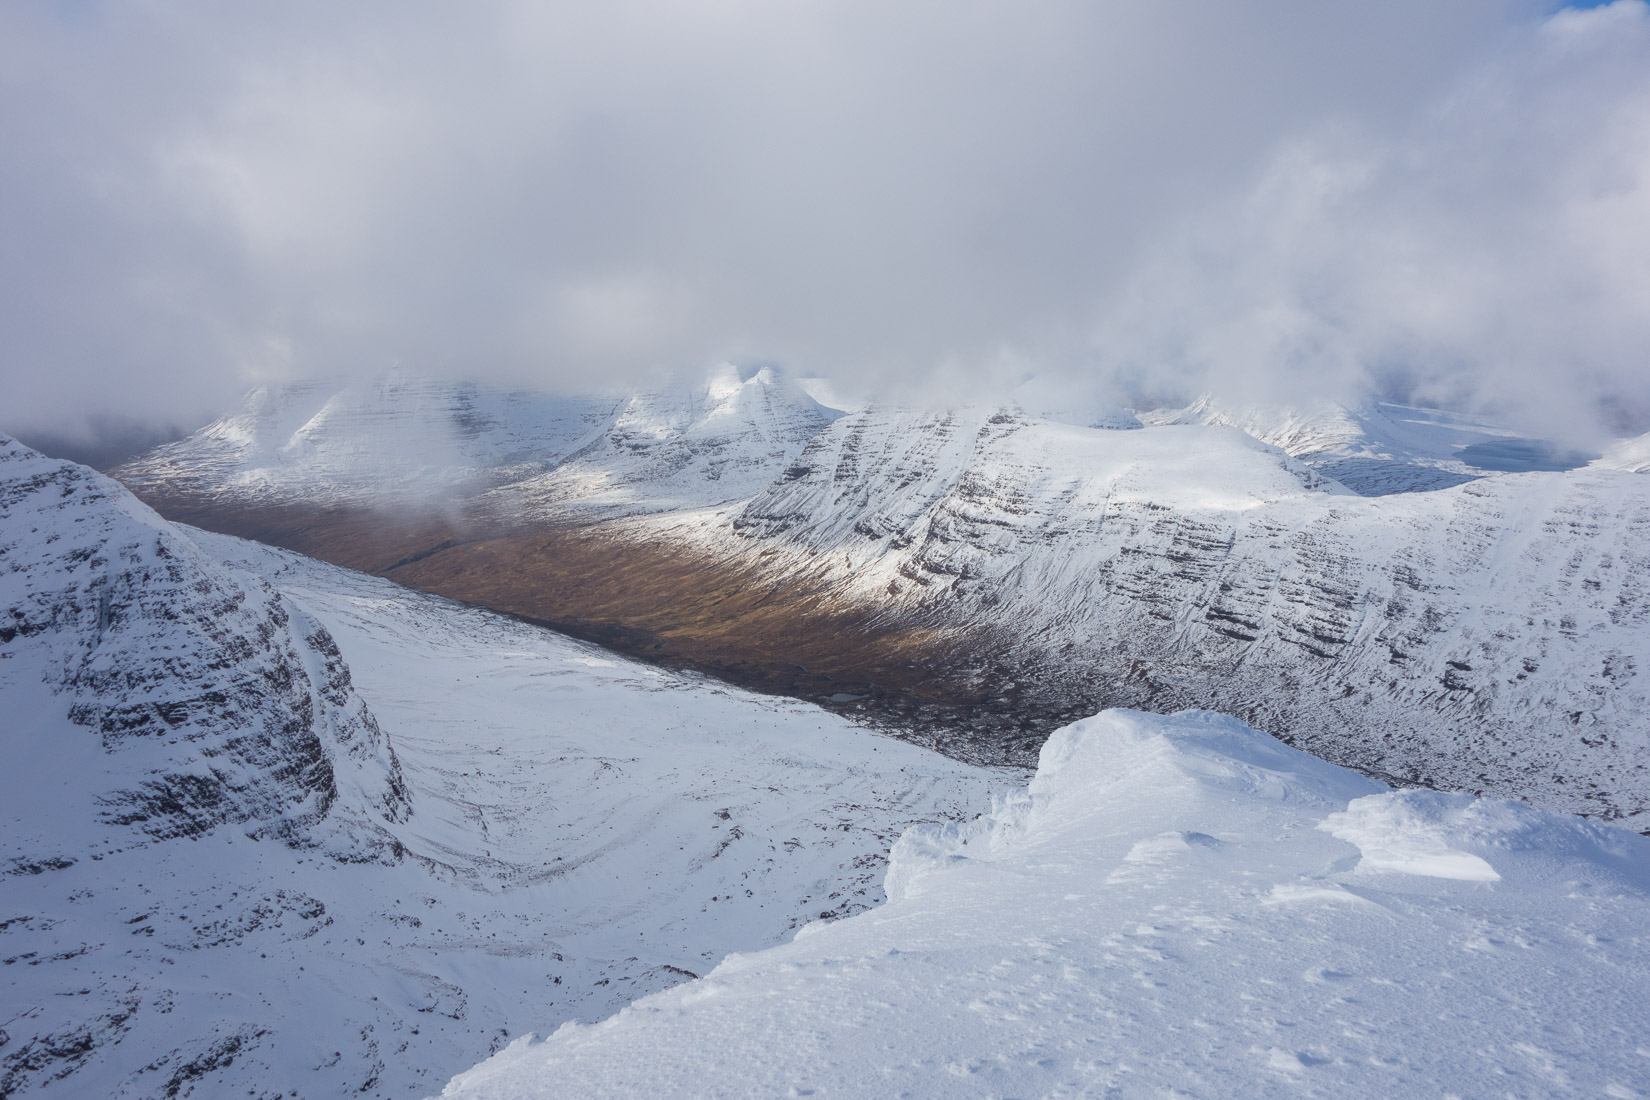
[[661, 602]]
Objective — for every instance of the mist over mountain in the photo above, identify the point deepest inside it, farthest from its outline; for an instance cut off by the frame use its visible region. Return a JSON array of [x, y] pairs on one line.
[[1439, 204]]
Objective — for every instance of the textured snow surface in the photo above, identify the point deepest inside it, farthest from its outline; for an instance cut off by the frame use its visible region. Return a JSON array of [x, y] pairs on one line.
[[555, 833], [1178, 906]]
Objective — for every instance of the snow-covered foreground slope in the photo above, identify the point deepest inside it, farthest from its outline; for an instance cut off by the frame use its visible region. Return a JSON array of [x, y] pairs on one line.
[[555, 833], [1177, 907]]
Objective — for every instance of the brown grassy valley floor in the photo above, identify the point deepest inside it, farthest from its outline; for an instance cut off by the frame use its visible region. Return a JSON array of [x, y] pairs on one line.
[[644, 597]]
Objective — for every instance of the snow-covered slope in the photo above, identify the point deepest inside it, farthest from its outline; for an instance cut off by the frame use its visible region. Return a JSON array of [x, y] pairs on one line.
[[304, 913], [679, 447], [1488, 637], [154, 694], [1489, 634], [1631, 455], [401, 440], [1373, 448], [1177, 907]]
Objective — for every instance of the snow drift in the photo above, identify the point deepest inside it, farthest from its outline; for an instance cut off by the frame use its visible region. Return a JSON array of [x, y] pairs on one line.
[[1176, 906]]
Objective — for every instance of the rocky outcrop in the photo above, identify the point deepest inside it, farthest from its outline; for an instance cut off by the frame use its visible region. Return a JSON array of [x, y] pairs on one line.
[[210, 699]]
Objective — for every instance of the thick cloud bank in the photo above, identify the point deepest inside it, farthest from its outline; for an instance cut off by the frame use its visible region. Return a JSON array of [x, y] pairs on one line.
[[198, 196], [1493, 254]]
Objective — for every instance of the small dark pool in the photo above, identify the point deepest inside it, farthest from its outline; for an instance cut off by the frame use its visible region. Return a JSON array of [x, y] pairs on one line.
[[1522, 456]]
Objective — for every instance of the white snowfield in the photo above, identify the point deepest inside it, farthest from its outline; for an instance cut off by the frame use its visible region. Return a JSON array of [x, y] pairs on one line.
[[1374, 448], [1177, 907], [382, 858]]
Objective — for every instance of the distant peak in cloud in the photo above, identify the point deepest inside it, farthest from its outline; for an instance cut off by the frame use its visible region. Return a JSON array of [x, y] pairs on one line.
[[1490, 256]]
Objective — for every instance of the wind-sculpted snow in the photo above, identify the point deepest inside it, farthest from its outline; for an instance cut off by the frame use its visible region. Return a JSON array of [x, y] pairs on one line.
[[557, 833], [1176, 907], [1486, 637]]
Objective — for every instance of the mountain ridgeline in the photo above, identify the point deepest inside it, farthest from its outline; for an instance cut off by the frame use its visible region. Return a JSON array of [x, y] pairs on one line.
[[1359, 581]]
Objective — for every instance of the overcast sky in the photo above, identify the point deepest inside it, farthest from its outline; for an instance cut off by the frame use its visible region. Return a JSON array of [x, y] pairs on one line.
[[1267, 198]]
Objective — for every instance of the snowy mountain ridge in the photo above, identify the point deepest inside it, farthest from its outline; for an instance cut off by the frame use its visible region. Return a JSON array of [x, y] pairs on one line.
[[1373, 448], [1488, 636], [1480, 624], [401, 440]]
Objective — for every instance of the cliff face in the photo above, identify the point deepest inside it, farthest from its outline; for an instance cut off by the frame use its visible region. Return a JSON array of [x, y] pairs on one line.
[[1487, 636], [167, 696]]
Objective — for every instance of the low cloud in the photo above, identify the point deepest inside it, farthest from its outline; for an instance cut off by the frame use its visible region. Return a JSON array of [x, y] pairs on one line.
[[1493, 255], [1447, 199]]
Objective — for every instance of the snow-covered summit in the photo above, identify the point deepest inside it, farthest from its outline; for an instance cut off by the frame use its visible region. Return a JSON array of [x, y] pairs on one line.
[[399, 440], [380, 442], [981, 481], [1177, 906], [1373, 447], [689, 443]]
